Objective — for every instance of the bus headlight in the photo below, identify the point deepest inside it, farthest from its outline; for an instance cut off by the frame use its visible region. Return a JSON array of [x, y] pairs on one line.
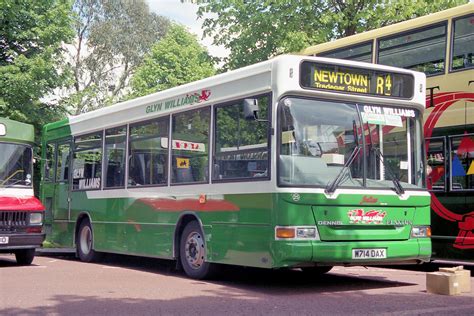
[[36, 218], [296, 233], [420, 231]]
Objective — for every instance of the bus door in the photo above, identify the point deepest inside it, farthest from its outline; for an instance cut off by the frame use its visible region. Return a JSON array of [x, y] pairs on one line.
[[61, 200]]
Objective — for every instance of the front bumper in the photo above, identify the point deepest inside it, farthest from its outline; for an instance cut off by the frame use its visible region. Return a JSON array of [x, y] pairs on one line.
[[307, 253], [22, 241]]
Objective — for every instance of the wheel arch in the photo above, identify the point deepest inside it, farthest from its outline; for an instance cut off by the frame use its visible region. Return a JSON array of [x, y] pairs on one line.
[[82, 216], [183, 220]]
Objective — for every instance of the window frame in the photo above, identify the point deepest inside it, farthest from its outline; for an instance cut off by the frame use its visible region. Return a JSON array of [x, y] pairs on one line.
[[446, 174], [340, 49], [170, 147], [450, 148], [51, 179], [73, 151], [269, 138], [65, 141], [412, 31], [129, 134], [451, 50], [105, 161]]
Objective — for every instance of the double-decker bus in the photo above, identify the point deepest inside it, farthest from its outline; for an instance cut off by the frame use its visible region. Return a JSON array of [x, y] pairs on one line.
[[21, 213], [442, 46], [271, 166]]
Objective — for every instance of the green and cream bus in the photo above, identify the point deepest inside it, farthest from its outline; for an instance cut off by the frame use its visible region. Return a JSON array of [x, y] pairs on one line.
[[296, 162]]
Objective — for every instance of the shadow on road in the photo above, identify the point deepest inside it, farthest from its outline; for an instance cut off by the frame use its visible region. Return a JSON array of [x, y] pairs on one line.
[[276, 282]]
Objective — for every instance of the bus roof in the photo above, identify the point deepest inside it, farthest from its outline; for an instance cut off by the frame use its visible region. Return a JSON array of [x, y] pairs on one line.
[[247, 81], [391, 29], [16, 132]]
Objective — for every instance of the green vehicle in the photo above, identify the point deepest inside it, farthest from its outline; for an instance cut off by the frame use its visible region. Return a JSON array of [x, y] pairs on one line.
[[21, 213], [296, 162]]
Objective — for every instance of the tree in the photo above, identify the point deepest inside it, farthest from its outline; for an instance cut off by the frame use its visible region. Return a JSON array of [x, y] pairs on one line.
[[177, 59], [111, 39], [31, 38], [257, 30]]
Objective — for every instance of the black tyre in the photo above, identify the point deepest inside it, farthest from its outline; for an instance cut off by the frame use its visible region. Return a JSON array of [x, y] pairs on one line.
[[192, 253], [316, 271], [85, 242], [24, 257]]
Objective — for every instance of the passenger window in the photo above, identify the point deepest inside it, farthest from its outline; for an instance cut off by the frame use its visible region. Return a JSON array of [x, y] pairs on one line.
[[148, 153], [422, 50], [115, 142], [463, 48], [436, 167], [462, 163], [361, 52], [87, 162], [190, 146], [241, 145], [49, 162], [63, 156]]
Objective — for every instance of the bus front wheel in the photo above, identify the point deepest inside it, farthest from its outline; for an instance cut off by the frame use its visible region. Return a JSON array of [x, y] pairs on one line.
[[192, 252], [24, 257], [85, 242]]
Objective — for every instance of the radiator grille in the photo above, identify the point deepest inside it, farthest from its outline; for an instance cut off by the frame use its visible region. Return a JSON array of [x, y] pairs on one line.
[[13, 219]]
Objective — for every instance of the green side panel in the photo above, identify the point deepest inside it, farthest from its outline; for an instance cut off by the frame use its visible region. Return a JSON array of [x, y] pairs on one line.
[[240, 229], [16, 132], [56, 130]]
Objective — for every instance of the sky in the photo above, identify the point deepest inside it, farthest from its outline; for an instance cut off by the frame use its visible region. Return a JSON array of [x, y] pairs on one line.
[[185, 14]]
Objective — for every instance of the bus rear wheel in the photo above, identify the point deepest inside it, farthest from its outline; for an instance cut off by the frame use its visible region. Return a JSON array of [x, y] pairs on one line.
[[192, 253], [85, 242], [24, 257]]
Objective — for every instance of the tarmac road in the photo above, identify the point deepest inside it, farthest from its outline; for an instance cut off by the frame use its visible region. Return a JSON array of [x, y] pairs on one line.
[[123, 285]]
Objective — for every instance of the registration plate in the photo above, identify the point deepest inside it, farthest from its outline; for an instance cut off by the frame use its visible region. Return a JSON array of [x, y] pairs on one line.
[[3, 240], [374, 253]]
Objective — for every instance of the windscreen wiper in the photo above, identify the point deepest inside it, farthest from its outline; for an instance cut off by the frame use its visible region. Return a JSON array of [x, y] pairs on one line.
[[396, 183], [331, 187]]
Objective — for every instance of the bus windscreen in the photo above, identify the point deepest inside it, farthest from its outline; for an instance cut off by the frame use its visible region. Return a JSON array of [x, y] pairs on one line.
[[356, 80]]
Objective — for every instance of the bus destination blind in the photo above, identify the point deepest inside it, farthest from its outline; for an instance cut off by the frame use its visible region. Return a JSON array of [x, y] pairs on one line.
[[356, 80]]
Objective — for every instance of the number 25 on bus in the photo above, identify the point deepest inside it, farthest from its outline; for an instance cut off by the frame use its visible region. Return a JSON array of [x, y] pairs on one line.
[[296, 162]]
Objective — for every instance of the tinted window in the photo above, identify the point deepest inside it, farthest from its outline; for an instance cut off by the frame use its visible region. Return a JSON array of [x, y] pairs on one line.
[[463, 47], [462, 162], [62, 173], [190, 146], [87, 162], [241, 146], [49, 162], [115, 142], [423, 50], [436, 164], [357, 52], [148, 152]]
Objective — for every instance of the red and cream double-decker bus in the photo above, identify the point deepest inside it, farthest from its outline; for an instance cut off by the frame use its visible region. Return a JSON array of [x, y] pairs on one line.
[[442, 46]]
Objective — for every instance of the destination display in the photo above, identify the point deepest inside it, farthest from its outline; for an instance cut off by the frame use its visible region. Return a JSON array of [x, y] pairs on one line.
[[356, 80]]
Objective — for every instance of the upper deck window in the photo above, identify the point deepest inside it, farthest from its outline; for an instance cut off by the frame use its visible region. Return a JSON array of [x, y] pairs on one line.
[[463, 39], [362, 52], [421, 50]]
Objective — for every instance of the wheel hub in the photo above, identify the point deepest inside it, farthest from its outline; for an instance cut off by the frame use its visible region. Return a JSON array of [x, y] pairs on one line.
[[194, 250]]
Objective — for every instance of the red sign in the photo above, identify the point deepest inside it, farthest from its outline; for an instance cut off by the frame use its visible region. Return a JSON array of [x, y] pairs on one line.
[[360, 216]]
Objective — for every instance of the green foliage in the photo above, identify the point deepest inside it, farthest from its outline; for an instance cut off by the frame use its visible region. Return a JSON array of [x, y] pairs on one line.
[[111, 39], [257, 30], [31, 38], [177, 59]]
